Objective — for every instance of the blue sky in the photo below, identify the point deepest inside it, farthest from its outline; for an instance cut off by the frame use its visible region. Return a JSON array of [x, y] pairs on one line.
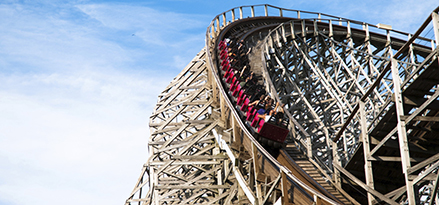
[[79, 79]]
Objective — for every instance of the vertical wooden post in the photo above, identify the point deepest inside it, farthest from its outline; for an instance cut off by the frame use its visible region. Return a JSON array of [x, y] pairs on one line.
[[224, 20], [155, 192], [223, 110], [212, 31], [140, 191], [435, 20], [303, 29], [336, 160], [402, 133], [317, 200], [218, 28], [284, 186], [348, 27], [315, 28], [293, 36], [284, 37], [256, 168], [309, 146], [236, 136], [266, 10], [331, 29], [219, 175], [366, 150], [252, 176]]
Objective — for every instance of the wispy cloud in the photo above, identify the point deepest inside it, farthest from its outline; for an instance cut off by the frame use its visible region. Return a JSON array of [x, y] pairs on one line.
[[152, 26], [403, 15], [73, 135], [77, 89]]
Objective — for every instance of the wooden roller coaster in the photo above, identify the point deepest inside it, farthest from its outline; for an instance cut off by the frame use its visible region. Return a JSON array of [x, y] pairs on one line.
[[360, 115]]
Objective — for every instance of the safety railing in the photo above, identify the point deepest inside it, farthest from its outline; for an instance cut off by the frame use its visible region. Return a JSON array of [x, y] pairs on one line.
[[261, 10]]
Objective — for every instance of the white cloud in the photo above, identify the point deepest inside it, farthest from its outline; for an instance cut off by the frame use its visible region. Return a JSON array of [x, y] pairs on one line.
[[408, 15], [165, 34], [32, 41], [75, 99], [76, 133], [153, 26], [403, 15]]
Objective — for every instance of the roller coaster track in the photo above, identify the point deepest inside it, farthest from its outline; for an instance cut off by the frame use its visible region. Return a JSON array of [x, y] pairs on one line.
[[362, 103]]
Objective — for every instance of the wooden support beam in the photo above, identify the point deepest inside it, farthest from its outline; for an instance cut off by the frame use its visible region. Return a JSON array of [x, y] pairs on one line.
[[257, 171], [207, 186], [364, 186], [391, 159], [423, 163], [232, 194], [433, 194], [284, 188], [366, 149], [188, 183], [406, 120], [426, 172], [422, 118], [178, 163], [418, 101], [270, 191], [396, 193], [194, 196], [192, 157], [402, 132]]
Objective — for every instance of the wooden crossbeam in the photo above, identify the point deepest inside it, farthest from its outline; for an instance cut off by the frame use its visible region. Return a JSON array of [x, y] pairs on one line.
[[207, 186], [177, 163], [364, 186], [182, 128], [392, 159], [422, 118], [273, 186], [174, 94], [192, 157], [423, 163], [189, 182]]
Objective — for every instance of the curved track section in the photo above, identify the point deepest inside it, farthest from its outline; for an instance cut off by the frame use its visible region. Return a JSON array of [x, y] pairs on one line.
[[361, 101]]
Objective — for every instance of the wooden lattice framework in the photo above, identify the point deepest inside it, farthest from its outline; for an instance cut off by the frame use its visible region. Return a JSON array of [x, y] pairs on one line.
[[340, 80], [344, 88], [185, 164]]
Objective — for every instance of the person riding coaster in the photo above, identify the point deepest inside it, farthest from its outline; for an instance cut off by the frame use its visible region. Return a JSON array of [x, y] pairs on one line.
[[272, 130]]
